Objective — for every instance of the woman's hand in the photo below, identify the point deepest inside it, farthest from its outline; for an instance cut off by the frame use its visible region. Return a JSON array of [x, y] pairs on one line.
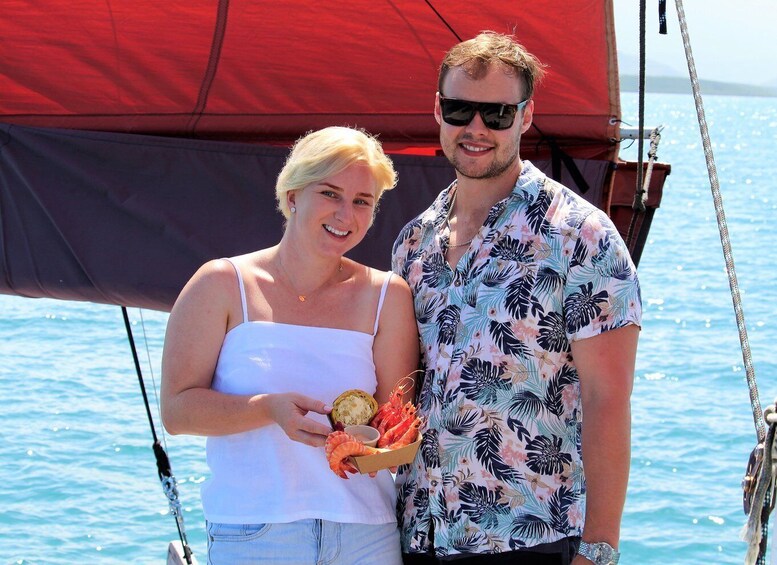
[[289, 411]]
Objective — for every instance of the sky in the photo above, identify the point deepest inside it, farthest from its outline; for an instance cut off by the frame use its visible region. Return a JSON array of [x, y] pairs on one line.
[[731, 40]]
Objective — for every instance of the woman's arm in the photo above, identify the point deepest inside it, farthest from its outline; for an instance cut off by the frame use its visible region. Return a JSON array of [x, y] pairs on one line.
[[196, 329], [396, 348]]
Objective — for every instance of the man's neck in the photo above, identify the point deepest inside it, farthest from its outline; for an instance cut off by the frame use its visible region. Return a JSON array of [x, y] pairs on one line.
[[475, 195]]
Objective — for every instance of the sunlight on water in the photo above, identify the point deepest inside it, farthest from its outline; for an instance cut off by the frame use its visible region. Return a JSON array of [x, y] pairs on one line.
[[693, 427]]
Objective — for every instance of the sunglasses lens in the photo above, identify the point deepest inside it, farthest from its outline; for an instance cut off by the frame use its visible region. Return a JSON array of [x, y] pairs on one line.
[[497, 116], [457, 112], [460, 113]]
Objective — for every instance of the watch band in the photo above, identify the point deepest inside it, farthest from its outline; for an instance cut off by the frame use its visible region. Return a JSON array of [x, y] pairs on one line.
[[599, 553]]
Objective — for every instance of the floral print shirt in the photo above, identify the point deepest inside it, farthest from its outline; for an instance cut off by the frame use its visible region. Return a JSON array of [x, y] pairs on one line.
[[500, 466]]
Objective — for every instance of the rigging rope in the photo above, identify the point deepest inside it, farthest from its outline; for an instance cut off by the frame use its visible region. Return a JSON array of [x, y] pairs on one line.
[[150, 366], [164, 470], [758, 417], [443, 20], [655, 139], [640, 194], [756, 529], [639, 204]]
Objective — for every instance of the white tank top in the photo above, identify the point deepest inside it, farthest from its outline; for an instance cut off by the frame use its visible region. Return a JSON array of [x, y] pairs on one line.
[[261, 475]]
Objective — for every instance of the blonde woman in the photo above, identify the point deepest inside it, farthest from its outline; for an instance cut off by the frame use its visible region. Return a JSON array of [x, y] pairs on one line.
[[257, 348]]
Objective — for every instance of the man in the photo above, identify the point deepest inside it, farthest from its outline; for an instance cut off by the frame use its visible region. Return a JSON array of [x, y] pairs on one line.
[[528, 307]]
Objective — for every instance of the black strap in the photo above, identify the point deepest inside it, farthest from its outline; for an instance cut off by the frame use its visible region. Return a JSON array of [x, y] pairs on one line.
[[558, 157], [662, 17]]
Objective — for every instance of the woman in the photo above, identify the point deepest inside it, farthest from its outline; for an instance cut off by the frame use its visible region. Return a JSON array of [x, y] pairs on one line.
[[257, 348]]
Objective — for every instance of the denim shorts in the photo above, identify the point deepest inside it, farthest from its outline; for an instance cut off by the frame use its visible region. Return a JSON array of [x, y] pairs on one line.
[[306, 542]]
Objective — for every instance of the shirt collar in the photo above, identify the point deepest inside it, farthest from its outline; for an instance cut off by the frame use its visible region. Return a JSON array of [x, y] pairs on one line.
[[529, 183], [527, 187]]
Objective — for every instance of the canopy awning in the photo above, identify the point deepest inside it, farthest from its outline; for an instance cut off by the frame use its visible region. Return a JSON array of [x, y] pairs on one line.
[[270, 71]]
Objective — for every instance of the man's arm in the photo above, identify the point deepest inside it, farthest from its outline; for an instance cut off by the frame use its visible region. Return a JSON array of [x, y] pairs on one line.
[[605, 365]]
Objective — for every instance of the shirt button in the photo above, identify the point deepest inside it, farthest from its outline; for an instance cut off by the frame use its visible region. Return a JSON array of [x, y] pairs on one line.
[[457, 282]]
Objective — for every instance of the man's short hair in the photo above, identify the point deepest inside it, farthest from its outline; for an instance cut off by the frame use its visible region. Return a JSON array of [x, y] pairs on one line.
[[475, 56]]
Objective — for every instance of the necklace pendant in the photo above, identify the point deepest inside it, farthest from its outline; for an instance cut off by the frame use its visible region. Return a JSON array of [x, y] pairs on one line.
[[301, 298]]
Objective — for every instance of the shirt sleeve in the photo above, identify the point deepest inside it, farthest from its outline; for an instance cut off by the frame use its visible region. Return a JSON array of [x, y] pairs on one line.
[[602, 290]]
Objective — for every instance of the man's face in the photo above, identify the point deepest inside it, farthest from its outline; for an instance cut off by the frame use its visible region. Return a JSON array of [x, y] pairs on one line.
[[474, 150]]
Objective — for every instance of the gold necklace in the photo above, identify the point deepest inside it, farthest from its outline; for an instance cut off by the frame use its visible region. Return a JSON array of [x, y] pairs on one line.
[[302, 297], [451, 246], [447, 222]]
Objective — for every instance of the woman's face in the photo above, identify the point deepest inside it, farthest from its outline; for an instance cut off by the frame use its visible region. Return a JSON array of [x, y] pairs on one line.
[[336, 213]]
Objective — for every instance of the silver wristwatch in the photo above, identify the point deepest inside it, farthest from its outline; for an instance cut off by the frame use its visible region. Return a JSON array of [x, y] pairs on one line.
[[599, 553]]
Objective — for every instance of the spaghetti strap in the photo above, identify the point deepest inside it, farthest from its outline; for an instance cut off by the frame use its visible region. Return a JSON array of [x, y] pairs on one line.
[[242, 290], [380, 301]]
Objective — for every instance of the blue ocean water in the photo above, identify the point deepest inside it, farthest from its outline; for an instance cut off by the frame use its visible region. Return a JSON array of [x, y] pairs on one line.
[[78, 480]]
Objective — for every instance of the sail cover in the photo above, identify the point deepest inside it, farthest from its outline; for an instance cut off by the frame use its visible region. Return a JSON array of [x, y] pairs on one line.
[[140, 139]]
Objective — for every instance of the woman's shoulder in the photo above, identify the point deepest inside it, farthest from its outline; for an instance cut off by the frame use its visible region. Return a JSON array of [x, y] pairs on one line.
[[396, 287], [223, 273], [228, 267], [370, 276], [209, 281], [215, 272]]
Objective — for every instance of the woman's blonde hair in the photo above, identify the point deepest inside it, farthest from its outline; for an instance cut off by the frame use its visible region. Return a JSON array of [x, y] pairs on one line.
[[323, 153]]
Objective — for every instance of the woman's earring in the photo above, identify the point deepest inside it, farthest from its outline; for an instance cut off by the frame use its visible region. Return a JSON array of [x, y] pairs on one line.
[[293, 209]]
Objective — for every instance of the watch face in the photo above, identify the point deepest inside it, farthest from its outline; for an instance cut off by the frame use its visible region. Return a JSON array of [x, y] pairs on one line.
[[600, 553], [603, 555]]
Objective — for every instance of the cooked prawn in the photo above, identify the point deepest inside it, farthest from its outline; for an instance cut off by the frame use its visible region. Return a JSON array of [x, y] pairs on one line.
[[339, 447], [390, 412], [410, 435], [397, 430]]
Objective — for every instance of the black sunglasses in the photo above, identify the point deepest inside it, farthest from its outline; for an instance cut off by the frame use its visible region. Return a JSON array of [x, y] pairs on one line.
[[495, 115]]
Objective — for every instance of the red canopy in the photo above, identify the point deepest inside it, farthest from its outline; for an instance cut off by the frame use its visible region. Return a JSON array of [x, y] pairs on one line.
[[269, 71], [126, 213]]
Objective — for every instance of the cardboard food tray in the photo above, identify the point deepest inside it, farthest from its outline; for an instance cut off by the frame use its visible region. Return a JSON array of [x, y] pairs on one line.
[[387, 458]]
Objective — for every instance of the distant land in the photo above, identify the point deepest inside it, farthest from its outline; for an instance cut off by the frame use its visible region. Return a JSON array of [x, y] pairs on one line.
[[682, 85]]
